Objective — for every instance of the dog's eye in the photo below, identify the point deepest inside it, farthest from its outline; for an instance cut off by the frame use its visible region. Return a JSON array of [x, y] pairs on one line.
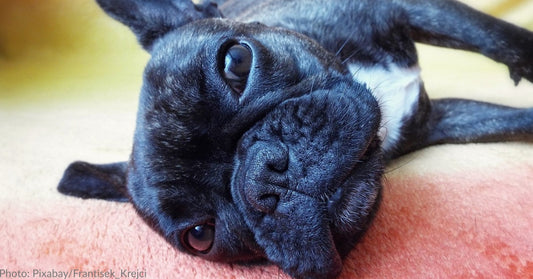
[[237, 65], [200, 238]]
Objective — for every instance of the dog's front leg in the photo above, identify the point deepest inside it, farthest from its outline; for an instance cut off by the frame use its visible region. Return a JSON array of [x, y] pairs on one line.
[[462, 121], [452, 24]]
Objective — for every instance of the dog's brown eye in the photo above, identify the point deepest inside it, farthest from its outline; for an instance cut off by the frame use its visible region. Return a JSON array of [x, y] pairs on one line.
[[237, 65], [200, 238]]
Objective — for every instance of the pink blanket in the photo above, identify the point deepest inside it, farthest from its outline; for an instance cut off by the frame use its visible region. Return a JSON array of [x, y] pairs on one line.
[[472, 217]]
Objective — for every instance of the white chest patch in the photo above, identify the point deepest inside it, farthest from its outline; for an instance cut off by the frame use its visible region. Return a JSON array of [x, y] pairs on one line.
[[396, 90]]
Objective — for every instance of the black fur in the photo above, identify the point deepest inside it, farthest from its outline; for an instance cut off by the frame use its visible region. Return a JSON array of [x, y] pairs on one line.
[[287, 169], [95, 181]]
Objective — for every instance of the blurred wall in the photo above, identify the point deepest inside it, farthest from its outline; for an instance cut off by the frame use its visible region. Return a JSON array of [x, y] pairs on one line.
[[56, 48], [69, 49]]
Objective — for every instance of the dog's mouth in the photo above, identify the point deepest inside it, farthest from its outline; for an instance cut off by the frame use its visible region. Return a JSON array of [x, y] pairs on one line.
[[308, 177], [353, 204]]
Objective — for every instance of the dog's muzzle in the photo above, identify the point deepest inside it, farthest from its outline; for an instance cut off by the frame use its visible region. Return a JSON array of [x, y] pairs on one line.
[[308, 173]]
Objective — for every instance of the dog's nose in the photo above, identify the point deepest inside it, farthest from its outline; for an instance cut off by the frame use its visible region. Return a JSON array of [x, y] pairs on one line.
[[269, 176], [266, 202]]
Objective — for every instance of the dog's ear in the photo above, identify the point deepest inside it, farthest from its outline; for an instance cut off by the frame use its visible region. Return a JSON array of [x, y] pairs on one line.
[[151, 19], [91, 181]]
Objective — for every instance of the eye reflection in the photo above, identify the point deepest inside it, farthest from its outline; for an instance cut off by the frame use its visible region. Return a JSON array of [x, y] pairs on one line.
[[237, 66], [200, 238]]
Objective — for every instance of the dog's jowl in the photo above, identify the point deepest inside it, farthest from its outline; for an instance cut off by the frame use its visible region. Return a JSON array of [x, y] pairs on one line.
[[262, 124]]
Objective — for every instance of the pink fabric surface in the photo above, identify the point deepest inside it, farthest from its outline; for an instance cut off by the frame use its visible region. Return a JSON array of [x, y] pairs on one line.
[[460, 222]]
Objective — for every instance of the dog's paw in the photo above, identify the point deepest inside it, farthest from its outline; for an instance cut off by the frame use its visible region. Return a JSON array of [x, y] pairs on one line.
[[524, 71], [521, 57], [208, 9]]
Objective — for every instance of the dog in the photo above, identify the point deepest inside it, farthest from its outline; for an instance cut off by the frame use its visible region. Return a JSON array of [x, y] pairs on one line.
[[264, 126]]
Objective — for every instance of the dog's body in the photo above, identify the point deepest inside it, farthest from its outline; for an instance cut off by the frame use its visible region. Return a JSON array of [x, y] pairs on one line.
[[263, 135]]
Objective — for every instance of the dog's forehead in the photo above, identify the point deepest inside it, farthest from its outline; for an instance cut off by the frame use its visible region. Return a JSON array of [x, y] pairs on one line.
[[183, 92], [203, 35]]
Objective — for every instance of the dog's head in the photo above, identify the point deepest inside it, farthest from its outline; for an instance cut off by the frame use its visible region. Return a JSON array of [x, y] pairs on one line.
[[252, 142]]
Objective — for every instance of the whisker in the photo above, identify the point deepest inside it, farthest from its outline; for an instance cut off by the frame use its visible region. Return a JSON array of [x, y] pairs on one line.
[[312, 85], [375, 88], [345, 43], [349, 57], [408, 161], [342, 47], [357, 71]]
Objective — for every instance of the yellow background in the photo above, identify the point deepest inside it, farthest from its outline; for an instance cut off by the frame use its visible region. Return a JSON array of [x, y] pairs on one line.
[[68, 49]]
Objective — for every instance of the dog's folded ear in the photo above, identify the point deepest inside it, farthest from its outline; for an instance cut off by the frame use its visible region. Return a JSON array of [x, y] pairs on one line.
[[91, 181], [151, 19]]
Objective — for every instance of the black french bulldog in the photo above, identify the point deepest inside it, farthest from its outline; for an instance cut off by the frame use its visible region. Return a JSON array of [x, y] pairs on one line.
[[264, 126]]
